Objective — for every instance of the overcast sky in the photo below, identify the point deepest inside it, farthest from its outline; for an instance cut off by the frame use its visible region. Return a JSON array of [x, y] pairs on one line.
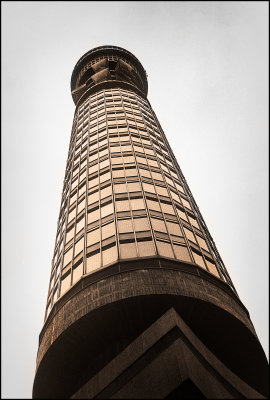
[[207, 66]]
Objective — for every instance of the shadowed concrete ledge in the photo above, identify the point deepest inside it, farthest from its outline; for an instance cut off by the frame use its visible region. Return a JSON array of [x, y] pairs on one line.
[[138, 371]]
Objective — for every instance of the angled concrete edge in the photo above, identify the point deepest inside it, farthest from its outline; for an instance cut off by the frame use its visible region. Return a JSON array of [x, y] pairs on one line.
[[169, 326]]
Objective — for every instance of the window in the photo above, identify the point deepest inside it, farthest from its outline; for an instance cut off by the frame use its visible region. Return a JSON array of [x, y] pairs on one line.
[[193, 221], [109, 255], [189, 235], [71, 214], [125, 147], [107, 191], [146, 248], [77, 273], [175, 196], [70, 234], [82, 189], [144, 172], [164, 167], [73, 198], [93, 197], [120, 188], [68, 256], [169, 181], [181, 253], [153, 205], [181, 214], [108, 230], [212, 268], [104, 164], [174, 229], [80, 225], [149, 151], [116, 160], [93, 262], [93, 237], [122, 205], [93, 182], [105, 177], [162, 191], [198, 259], [106, 210], [137, 204], [141, 224], [118, 173], [103, 153], [115, 149], [79, 246], [131, 172], [158, 225], [128, 250], [141, 160], [125, 225], [179, 187], [93, 168], [153, 163], [139, 149], [167, 208], [165, 249], [186, 203], [81, 206], [134, 187], [202, 242], [65, 283], [74, 184], [157, 176], [93, 215], [149, 187], [82, 176], [128, 159]]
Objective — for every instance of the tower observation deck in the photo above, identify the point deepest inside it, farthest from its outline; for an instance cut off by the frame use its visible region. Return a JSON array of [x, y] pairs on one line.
[[140, 303]]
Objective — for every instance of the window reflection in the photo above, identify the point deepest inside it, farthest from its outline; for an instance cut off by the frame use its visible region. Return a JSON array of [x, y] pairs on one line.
[[65, 283], [128, 250], [146, 248], [181, 253], [198, 259], [77, 273], [165, 249], [109, 255], [93, 237], [108, 230], [93, 262]]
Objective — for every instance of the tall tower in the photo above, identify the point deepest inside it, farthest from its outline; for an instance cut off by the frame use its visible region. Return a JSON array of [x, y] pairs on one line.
[[140, 304]]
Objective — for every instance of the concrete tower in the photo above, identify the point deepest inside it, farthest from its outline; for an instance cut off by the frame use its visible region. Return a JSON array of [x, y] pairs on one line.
[[140, 304]]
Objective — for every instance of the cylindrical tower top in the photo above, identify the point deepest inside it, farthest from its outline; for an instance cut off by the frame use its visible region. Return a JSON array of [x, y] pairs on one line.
[[107, 66]]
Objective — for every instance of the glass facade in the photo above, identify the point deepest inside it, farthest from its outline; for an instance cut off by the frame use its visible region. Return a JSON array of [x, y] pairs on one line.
[[124, 195]]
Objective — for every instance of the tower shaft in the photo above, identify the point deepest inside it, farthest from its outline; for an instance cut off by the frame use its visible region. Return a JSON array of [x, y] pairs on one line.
[[133, 254]]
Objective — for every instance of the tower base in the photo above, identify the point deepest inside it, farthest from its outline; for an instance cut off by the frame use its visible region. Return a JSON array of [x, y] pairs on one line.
[[166, 361]]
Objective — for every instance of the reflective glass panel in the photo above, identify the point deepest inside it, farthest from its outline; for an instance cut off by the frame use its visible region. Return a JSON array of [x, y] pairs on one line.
[[146, 248], [108, 230], [181, 253], [128, 250], [109, 255], [77, 273], [93, 262], [79, 246], [198, 259], [93, 237], [165, 249], [141, 224]]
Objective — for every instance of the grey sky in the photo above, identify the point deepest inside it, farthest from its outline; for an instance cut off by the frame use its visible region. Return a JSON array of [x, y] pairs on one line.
[[207, 66]]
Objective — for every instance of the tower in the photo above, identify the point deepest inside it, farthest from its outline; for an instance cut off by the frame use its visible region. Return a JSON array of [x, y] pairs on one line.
[[140, 304]]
